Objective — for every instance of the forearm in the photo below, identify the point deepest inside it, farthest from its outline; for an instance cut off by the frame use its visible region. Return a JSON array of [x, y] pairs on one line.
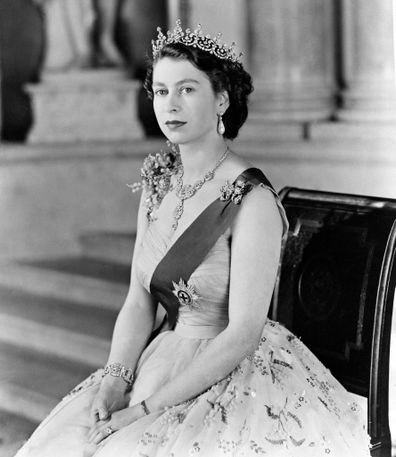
[[131, 332], [132, 329], [213, 364]]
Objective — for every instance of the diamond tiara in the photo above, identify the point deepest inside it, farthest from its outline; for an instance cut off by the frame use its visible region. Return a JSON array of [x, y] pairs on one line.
[[196, 39]]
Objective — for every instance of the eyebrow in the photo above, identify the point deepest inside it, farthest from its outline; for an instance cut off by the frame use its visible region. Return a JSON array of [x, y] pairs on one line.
[[183, 81]]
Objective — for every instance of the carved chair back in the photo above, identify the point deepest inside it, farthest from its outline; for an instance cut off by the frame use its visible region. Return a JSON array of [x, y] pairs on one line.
[[335, 290]]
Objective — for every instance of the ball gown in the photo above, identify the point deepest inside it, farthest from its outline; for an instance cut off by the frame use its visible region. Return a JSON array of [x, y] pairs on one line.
[[280, 401]]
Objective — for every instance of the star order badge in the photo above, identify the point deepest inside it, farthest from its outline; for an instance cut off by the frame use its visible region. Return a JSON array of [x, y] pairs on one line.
[[186, 294]]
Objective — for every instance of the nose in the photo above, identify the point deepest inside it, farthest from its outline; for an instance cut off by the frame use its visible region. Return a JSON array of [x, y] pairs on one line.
[[173, 102]]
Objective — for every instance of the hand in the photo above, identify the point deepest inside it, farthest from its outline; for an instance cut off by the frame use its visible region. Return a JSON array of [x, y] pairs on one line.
[[119, 419], [111, 397]]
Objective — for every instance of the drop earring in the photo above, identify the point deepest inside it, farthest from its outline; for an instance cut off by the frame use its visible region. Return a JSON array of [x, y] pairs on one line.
[[220, 124]]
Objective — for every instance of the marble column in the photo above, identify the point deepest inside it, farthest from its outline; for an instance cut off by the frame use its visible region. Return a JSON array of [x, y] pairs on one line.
[[144, 18], [226, 16], [291, 60], [1, 105], [178, 9], [368, 56]]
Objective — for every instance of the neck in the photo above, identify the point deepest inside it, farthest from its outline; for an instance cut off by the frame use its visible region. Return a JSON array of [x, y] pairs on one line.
[[198, 160]]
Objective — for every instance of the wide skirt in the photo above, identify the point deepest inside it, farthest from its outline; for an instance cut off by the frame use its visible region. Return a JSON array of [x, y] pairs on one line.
[[280, 401]]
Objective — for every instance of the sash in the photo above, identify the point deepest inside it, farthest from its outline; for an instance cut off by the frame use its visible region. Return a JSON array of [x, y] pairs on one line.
[[190, 249]]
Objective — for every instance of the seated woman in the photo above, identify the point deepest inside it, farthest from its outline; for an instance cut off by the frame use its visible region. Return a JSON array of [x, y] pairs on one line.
[[220, 378]]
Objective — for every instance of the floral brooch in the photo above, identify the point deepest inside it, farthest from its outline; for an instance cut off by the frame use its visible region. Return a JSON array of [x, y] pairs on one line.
[[186, 294], [234, 192], [156, 174]]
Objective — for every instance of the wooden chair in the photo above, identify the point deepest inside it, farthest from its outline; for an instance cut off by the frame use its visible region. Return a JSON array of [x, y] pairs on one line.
[[335, 290]]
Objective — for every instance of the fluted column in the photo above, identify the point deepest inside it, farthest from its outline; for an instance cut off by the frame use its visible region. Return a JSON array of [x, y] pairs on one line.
[[178, 9], [226, 16], [368, 61], [291, 59], [144, 18], [1, 104]]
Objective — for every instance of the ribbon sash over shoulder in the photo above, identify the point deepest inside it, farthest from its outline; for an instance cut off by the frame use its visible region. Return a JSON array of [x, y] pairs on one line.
[[190, 249]]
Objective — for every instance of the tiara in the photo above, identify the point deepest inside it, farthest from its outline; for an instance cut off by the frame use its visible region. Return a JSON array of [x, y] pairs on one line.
[[196, 39]]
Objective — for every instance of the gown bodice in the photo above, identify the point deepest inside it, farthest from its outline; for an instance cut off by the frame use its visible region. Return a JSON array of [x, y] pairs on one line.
[[210, 281]]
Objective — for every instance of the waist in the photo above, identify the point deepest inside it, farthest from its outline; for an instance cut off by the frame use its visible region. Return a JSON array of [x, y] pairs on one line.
[[198, 331]]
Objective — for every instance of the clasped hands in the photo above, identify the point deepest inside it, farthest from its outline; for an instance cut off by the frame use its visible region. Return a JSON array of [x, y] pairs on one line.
[[110, 411]]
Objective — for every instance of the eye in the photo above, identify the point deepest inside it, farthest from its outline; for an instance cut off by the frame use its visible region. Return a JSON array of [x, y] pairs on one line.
[[186, 90], [160, 92]]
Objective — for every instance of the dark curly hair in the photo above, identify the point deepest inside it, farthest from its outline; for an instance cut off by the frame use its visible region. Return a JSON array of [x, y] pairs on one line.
[[223, 74]]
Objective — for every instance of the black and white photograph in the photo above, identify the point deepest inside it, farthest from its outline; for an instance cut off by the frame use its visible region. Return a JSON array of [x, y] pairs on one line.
[[197, 228]]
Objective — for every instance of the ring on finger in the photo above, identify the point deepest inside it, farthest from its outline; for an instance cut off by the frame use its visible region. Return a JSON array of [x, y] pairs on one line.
[[108, 430]]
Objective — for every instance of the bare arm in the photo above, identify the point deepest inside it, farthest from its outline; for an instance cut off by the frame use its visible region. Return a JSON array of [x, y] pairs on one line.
[[131, 332], [136, 319], [255, 256]]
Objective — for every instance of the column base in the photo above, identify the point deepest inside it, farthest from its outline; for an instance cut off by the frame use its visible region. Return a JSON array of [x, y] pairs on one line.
[[297, 104], [369, 103], [259, 127], [85, 105]]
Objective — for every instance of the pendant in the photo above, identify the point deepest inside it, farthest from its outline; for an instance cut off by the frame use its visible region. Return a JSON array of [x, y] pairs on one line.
[[186, 294], [177, 213]]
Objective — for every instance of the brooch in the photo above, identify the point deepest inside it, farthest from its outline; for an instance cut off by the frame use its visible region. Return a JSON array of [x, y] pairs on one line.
[[186, 294], [234, 192], [156, 174]]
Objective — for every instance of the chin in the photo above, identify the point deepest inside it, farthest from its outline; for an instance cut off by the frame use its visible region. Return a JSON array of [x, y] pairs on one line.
[[177, 138]]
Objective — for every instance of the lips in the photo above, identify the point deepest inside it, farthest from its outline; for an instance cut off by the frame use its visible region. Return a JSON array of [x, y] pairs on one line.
[[174, 124]]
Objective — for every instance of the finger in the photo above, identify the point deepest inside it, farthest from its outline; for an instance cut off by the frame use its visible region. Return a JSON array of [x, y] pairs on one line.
[[95, 416], [98, 413], [102, 434], [99, 427], [103, 413], [94, 419], [92, 433], [96, 436]]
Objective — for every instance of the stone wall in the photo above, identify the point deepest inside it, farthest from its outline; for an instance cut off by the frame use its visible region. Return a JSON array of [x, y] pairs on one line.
[[322, 116], [50, 195]]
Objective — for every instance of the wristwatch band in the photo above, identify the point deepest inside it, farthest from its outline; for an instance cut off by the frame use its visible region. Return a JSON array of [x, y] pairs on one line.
[[145, 409]]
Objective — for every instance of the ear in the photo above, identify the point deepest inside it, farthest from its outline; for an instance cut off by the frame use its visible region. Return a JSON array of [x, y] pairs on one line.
[[223, 101]]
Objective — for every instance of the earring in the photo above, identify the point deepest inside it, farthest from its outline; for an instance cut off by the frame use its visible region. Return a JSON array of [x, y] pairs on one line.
[[220, 124]]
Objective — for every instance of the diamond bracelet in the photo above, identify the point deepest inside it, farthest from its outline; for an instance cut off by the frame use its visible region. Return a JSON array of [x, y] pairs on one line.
[[120, 371]]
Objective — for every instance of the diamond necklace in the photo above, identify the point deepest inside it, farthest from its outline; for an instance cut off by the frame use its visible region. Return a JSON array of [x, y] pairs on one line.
[[185, 191]]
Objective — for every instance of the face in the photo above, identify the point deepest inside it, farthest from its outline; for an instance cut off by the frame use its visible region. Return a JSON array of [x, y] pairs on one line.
[[185, 104]]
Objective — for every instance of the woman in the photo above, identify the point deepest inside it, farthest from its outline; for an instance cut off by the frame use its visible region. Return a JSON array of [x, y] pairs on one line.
[[223, 379]]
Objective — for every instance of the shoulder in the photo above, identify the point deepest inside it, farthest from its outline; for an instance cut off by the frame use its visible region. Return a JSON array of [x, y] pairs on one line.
[[260, 200], [257, 233], [258, 203], [259, 213]]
